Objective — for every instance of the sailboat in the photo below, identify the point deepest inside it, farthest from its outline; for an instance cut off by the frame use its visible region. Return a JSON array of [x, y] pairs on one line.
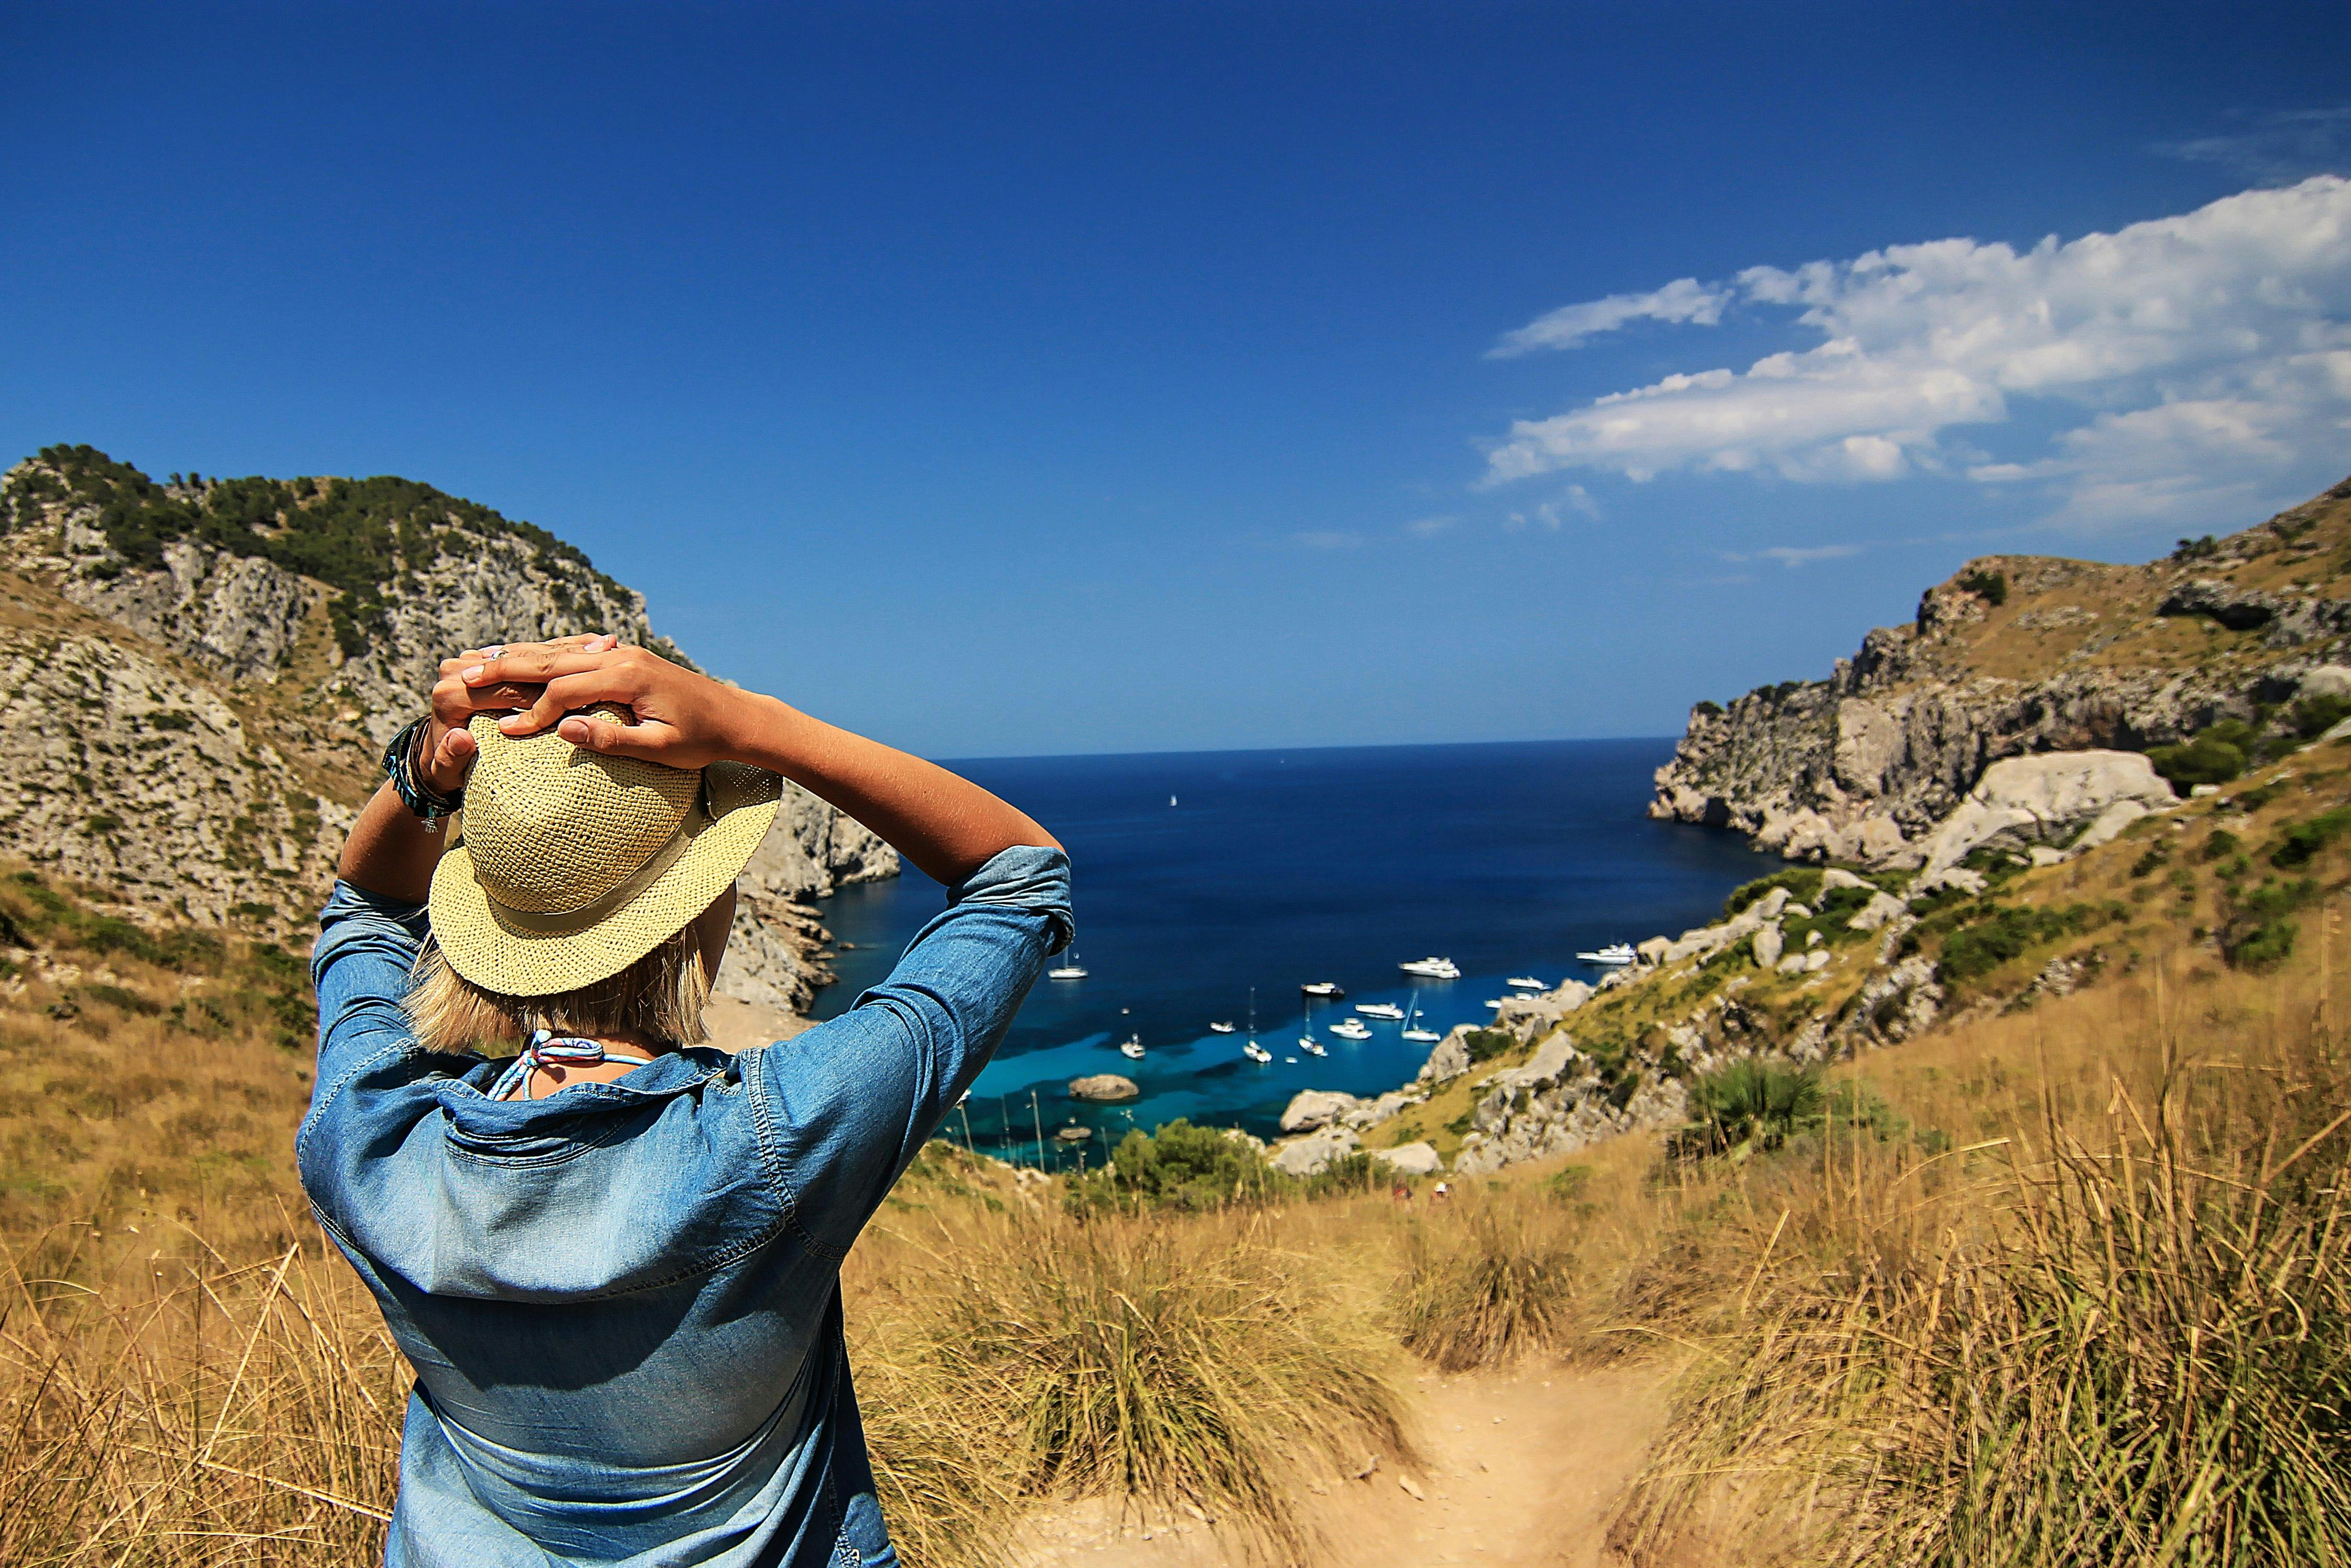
[[1424, 1035], [1306, 1040], [1131, 1048], [1072, 970], [1253, 1050], [1220, 1026]]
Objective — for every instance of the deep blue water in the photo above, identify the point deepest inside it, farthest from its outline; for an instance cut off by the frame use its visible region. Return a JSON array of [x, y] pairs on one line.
[[1275, 868]]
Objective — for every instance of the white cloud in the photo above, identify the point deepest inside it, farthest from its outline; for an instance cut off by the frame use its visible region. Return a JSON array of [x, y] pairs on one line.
[[1574, 499], [2276, 148], [1430, 528], [2202, 354], [1795, 555], [1684, 299]]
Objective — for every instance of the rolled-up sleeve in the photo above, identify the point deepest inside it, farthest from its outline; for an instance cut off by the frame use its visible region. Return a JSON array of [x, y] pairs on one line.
[[851, 1101], [360, 969]]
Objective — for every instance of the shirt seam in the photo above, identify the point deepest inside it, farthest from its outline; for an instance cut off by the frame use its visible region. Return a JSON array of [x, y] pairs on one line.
[[399, 1050], [771, 1159]]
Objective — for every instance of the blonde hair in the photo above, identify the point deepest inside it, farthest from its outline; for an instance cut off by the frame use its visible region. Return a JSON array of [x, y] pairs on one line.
[[659, 998]]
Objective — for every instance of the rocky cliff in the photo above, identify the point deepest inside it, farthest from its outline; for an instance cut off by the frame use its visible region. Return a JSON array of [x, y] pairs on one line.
[[2021, 655], [199, 673]]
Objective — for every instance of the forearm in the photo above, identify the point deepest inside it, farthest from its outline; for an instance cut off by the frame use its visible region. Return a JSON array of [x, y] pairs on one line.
[[389, 852], [948, 826]]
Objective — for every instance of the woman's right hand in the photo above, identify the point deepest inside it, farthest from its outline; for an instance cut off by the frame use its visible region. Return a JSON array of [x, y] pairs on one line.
[[681, 719], [446, 755]]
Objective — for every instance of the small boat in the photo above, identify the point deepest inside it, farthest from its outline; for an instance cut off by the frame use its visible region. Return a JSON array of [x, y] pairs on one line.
[[1072, 970], [1171, 800], [1222, 1028], [1291, 1060], [1435, 968], [1327, 990], [1527, 983], [1131, 1048], [1257, 1052], [1424, 1035], [1380, 1010], [1310, 1046], [1349, 1029], [1614, 953], [1493, 1001]]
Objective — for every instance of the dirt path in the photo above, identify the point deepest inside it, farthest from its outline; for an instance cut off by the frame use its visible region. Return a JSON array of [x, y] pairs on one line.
[[1522, 1471]]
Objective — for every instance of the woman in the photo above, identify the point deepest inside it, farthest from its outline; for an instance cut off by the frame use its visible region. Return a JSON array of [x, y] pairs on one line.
[[613, 1261]]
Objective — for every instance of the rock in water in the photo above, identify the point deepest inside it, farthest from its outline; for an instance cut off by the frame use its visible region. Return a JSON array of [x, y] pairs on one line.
[[1104, 1088]]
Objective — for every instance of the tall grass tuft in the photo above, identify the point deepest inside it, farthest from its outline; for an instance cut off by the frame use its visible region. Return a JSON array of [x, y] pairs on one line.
[[2126, 1341], [1185, 1363], [1487, 1286], [177, 1411]]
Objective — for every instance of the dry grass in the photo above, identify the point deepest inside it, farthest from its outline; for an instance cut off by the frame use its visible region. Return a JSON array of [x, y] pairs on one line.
[[1490, 1283], [1180, 1360], [2116, 1330], [179, 1409]]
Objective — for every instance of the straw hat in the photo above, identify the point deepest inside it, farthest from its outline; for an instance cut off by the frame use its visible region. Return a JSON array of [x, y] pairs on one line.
[[575, 865]]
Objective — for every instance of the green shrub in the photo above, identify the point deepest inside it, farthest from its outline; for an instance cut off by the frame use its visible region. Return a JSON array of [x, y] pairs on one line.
[[1754, 1105], [2220, 846], [2203, 760], [2313, 717], [1992, 587], [2303, 841], [1485, 1044], [2004, 932], [1801, 880]]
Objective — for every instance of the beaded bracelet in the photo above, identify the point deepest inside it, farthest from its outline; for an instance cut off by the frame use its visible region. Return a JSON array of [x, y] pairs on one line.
[[429, 804]]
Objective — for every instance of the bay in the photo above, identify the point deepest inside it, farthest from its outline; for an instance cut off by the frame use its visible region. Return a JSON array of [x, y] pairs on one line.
[[1199, 875]]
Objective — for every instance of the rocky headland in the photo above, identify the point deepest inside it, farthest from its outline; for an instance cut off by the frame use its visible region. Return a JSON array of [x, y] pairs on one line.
[[200, 672], [2035, 712]]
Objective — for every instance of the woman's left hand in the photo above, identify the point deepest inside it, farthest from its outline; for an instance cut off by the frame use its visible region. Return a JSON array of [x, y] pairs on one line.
[[447, 754]]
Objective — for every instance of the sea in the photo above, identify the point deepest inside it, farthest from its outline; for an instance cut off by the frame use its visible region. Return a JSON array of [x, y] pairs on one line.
[[1207, 884]]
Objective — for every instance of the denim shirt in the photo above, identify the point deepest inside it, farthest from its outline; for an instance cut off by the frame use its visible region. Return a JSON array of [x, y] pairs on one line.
[[622, 1300]]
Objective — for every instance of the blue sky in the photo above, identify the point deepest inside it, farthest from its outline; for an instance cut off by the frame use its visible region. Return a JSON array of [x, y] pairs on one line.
[[1037, 378]]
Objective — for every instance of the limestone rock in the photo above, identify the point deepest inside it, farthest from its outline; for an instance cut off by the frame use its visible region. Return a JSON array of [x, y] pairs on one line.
[[1410, 1159], [1448, 1059], [1312, 1108], [1104, 1088], [1837, 876], [1768, 944], [1312, 1154], [1881, 908], [2026, 800]]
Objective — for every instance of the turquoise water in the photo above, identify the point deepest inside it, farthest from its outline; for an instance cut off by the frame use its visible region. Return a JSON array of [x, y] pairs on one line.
[[1275, 868]]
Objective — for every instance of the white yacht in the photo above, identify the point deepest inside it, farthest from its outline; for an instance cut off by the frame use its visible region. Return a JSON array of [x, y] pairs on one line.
[[1131, 1047], [1527, 983], [1614, 953], [1435, 968], [1388, 1011], [1327, 990], [1257, 1052], [1223, 1028], [1072, 970], [1494, 1001], [1350, 1028]]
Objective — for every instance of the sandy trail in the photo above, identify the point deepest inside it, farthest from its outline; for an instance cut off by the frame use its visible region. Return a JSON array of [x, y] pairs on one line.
[[1522, 1471]]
